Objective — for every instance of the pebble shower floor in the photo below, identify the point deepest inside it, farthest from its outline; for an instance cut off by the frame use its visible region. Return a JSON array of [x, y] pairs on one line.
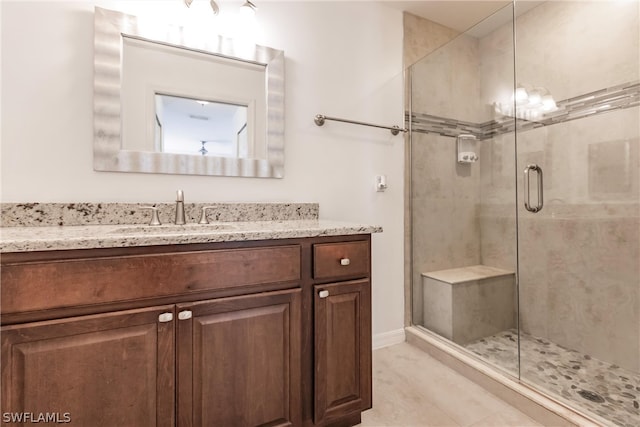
[[600, 387]]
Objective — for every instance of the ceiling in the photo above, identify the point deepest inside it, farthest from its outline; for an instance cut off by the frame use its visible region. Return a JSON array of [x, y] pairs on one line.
[[459, 15], [476, 18]]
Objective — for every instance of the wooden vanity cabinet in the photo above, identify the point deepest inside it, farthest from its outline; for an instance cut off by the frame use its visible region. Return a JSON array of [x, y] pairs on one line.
[[229, 334], [342, 350], [342, 331], [101, 370], [239, 361]]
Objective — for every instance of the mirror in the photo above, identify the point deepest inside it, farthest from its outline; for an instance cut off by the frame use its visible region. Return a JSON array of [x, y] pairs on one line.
[[165, 102]]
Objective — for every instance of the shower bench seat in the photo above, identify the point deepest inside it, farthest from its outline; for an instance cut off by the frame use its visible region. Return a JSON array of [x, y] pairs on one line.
[[468, 303]]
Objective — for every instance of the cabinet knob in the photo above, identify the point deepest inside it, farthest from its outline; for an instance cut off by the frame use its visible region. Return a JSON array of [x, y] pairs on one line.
[[165, 317], [345, 261], [184, 315], [323, 294]]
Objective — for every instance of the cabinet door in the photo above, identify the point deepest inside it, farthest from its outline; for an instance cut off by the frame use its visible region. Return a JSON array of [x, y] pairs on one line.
[[239, 361], [342, 379], [100, 370]]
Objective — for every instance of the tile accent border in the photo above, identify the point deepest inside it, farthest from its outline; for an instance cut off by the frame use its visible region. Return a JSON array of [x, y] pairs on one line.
[[426, 123], [626, 95]]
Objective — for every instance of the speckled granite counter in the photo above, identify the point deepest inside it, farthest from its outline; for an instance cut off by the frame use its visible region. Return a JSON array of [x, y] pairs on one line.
[[89, 226], [25, 239]]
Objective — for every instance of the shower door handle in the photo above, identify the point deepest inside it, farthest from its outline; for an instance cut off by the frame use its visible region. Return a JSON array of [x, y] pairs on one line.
[[527, 188]]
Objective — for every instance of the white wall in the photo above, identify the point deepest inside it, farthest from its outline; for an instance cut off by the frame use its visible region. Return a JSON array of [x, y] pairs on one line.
[[343, 59]]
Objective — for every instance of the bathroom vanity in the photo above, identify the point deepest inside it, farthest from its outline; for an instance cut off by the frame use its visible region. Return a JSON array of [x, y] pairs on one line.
[[264, 323]]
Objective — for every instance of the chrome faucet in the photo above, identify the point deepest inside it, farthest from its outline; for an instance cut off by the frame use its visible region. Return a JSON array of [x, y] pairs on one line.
[[180, 208]]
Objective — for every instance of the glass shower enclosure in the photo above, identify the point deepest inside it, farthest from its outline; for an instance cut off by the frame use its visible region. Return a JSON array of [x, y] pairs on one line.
[[525, 199]]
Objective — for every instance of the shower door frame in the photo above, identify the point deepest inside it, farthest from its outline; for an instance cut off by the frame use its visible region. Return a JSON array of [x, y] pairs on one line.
[[520, 252]]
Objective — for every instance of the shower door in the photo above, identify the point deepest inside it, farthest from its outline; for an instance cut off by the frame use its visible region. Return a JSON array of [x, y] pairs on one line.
[[463, 202], [578, 128], [526, 252]]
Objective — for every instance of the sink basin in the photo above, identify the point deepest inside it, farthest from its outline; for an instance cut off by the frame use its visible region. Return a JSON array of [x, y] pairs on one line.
[[172, 229]]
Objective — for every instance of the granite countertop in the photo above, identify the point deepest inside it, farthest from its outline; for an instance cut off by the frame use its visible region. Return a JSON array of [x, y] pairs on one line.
[[26, 239], [43, 227]]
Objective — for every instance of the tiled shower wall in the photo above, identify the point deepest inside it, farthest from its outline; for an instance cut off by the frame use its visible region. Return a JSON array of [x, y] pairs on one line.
[[421, 37], [579, 257], [446, 194]]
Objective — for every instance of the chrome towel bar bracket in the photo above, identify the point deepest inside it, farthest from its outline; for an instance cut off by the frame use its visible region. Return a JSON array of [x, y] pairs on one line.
[[320, 119]]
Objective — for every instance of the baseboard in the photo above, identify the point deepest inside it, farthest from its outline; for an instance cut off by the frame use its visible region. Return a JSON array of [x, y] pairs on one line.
[[386, 339]]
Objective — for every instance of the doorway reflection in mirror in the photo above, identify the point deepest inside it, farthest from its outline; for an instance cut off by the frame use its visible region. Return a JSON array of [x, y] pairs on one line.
[[192, 126]]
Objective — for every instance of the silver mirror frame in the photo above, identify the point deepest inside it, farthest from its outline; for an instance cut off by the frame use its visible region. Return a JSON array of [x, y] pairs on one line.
[[110, 29]]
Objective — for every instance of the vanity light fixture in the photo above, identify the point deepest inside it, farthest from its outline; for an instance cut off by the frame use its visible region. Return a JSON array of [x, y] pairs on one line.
[[248, 8], [214, 6]]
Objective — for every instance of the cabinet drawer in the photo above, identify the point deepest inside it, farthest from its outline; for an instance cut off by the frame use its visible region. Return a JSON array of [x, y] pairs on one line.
[[55, 284], [336, 260]]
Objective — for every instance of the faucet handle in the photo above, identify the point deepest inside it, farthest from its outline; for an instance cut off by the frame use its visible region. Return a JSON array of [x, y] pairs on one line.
[[203, 215], [155, 220]]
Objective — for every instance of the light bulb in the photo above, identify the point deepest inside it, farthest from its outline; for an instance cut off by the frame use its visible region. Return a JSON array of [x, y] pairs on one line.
[[521, 96], [548, 103], [534, 98]]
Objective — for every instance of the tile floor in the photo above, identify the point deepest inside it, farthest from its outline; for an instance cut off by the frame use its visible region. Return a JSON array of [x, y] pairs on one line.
[[599, 387], [410, 388]]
